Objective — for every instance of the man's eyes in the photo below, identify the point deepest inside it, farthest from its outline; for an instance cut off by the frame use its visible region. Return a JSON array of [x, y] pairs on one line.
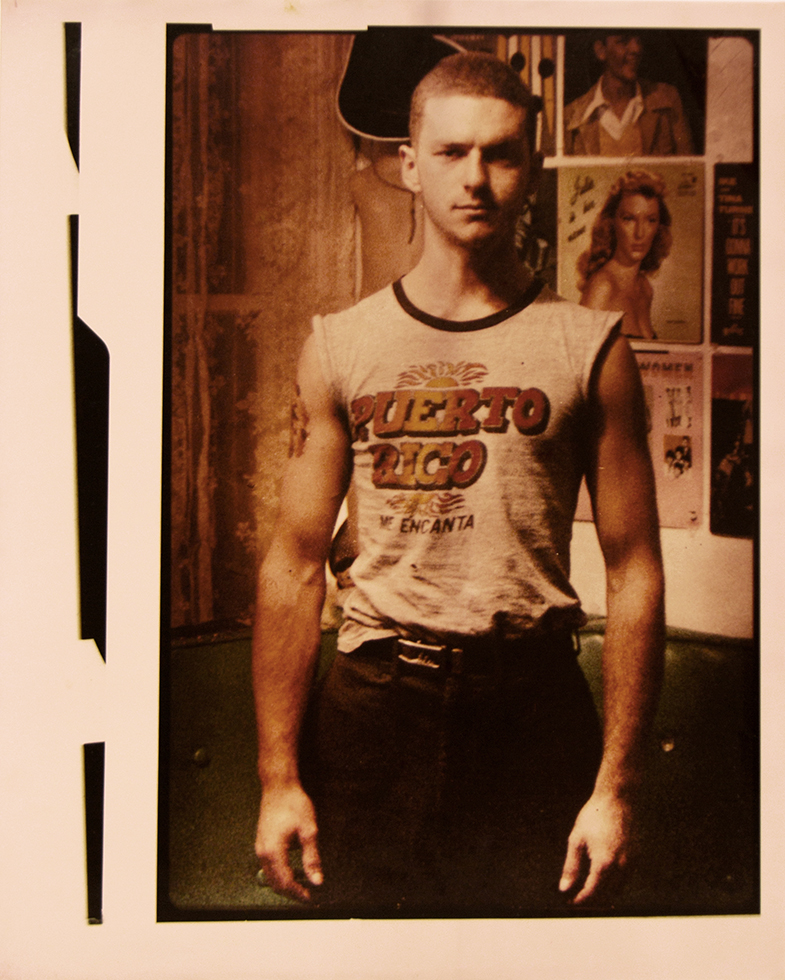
[[505, 155]]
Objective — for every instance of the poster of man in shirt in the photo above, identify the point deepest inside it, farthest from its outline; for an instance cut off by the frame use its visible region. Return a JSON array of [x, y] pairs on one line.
[[632, 93]]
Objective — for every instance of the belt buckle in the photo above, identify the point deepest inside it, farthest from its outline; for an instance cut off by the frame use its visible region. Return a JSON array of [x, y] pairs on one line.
[[412, 653]]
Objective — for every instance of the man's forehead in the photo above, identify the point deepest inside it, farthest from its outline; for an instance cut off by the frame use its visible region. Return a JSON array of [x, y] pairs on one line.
[[446, 115]]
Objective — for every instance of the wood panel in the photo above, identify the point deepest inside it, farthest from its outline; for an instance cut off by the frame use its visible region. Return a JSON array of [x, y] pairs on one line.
[[262, 238]]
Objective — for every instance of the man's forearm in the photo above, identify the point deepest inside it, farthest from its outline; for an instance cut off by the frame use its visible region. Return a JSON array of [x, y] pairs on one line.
[[633, 661], [286, 642]]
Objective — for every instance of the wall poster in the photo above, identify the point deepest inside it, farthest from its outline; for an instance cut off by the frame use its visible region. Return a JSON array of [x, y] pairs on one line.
[[735, 256], [734, 488], [673, 389], [676, 282]]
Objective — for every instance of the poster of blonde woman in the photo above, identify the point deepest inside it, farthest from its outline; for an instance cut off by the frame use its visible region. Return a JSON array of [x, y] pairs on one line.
[[631, 239]]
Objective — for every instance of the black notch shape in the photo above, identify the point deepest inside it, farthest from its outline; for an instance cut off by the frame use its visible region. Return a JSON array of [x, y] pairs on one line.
[[93, 754], [91, 406], [73, 82]]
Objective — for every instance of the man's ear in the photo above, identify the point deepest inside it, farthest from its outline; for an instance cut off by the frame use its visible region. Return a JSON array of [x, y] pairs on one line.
[[600, 51], [409, 173]]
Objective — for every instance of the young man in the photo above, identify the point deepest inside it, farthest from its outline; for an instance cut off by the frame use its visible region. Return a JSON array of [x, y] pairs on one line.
[[452, 760], [622, 115]]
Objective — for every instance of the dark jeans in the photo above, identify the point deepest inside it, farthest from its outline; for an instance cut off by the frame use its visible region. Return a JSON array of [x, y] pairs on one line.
[[442, 793]]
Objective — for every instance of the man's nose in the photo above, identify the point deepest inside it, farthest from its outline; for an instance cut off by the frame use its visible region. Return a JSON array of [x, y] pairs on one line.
[[634, 46], [476, 171]]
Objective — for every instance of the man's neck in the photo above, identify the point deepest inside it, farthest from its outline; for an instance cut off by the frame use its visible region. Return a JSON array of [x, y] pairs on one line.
[[617, 92], [461, 284]]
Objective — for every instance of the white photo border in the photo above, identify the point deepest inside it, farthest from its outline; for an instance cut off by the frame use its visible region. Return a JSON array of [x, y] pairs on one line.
[[56, 693]]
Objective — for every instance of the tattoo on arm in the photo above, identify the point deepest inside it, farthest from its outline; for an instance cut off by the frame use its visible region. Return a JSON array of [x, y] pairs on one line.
[[298, 431]]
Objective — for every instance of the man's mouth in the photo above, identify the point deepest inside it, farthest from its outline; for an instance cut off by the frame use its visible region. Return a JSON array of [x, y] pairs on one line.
[[475, 208]]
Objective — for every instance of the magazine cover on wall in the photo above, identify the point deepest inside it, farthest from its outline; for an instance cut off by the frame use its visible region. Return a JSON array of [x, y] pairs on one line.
[[673, 388], [734, 488], [631, 238]]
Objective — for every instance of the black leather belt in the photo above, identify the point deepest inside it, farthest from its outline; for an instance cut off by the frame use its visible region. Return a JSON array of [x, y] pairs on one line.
[[474, 656]]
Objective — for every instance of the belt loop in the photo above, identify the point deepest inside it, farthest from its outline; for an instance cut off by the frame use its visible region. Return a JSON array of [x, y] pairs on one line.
[[456, 661]]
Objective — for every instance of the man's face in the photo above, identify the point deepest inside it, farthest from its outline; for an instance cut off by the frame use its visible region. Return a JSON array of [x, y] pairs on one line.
[[620, 55], [472, 164]]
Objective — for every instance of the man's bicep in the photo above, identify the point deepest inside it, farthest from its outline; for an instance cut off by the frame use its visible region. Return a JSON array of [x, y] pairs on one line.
[[317, 471], [620, 477]]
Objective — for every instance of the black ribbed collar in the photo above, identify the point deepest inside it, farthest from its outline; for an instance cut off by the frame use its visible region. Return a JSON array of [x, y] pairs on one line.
[[461, 326]]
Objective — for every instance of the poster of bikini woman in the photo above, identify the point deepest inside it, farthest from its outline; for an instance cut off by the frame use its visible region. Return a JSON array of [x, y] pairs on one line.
[[630, 238]]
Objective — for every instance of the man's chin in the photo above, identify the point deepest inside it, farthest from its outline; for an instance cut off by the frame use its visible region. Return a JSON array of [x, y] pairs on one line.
[[480, 238], [478, 234], [481, 227]]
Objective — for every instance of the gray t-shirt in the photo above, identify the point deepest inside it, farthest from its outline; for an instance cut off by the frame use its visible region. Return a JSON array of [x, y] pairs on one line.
[[468, 443]]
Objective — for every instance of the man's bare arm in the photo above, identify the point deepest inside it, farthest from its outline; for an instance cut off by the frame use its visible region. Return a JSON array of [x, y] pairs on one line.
[[621, 483], [287, 629]]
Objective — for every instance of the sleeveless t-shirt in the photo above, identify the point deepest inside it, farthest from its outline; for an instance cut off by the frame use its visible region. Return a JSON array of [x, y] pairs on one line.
[[468, 442]]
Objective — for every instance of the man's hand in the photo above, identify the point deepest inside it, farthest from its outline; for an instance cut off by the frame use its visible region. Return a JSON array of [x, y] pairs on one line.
[[598, 847], [287, 817]]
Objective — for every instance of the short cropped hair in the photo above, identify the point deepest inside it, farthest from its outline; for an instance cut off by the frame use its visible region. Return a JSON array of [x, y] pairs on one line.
[[474, 73], [603, 235]]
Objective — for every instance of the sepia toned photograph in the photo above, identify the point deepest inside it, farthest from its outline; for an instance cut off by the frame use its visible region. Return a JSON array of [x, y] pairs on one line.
[[398, 333], [391, 480]]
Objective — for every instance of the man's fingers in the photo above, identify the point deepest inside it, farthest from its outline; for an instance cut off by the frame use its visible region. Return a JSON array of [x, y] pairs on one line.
[[312, 865], [589, 887], [605, 873], [572, 866], [279, 875], [287, 818], [278, 872]]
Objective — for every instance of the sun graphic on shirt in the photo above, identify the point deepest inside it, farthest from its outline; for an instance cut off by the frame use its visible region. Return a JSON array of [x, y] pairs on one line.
[[442, 374], [409, 504], [425, 503]]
